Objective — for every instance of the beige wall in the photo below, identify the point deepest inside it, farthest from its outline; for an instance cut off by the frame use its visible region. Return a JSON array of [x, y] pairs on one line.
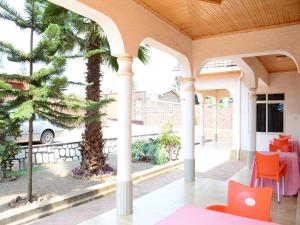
[[288, 83]]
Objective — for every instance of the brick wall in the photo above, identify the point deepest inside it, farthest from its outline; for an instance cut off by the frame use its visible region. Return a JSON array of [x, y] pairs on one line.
[[224, 120], [158, 113]]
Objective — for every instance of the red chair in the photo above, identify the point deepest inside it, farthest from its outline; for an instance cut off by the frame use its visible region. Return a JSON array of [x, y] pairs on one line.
[[269, 167], [246, 201], [281, 141], [283, 148], [288, 136], [283, 144]]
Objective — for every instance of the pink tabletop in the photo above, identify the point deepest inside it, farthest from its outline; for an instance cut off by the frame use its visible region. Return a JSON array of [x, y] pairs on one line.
[[292, 178], [191, 215]]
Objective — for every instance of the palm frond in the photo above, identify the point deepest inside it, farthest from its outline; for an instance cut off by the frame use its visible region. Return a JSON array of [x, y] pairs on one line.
[[143, 54]]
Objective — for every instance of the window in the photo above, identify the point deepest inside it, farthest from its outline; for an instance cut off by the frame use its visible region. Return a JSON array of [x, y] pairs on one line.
[[270, 113]]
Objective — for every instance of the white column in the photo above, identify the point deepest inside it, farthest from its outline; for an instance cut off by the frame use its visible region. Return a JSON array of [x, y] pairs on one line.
[[215, 114], [124, 179], [252, 127], [188, 126], [237, 119], [201, 121]]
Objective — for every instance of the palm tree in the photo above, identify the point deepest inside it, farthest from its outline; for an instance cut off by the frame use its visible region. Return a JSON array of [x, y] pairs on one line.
[[88, 37]]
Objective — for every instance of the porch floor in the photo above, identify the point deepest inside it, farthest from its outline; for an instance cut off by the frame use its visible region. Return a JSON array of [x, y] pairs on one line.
[[156, 205]]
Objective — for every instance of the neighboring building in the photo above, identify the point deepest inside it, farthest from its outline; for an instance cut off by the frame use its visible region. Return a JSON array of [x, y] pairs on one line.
[[150, 109]]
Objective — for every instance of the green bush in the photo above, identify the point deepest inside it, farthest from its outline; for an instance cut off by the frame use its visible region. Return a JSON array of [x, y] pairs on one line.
[[158, 150], [9, 129], [137, 150]]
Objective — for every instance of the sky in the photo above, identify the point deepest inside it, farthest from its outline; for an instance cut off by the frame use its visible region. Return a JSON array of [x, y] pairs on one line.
[[155, 77]]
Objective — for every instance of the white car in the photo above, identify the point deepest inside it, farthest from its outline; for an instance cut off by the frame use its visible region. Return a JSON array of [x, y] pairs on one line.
[[43, 131]]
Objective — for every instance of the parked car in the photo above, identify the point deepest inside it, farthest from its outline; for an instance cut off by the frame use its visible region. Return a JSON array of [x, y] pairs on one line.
[[43, 131]]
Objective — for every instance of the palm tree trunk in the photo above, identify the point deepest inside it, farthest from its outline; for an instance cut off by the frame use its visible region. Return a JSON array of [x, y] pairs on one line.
[[92, 144], [30, 130]]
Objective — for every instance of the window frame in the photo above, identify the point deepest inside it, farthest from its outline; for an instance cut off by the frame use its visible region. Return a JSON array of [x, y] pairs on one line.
[[267, 102]]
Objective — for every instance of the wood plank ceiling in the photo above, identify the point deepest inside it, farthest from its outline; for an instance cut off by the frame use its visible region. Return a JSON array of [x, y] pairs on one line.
[[277, 63], [203, 18]]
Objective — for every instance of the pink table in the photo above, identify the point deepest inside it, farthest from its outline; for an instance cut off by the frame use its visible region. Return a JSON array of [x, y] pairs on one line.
[[292, 178], [191, 215]]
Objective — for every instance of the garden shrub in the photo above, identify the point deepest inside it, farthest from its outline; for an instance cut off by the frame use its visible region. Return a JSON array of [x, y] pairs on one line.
[[9, 130], [160, 149]]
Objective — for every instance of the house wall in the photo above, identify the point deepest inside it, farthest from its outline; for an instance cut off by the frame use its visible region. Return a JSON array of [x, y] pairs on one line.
[[224, 121], [158, 113], [138, 112], [169, 96], [288, 83]]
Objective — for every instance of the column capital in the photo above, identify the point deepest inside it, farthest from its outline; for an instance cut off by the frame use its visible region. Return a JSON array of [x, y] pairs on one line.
[[187, 83], [186, 79], [124, 57], [125, 62], [252, 92]]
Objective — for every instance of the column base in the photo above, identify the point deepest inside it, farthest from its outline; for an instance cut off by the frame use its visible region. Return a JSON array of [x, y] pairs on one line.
[[215, 137], [202, 140], [189, 170], [124, 198], [250, 158]]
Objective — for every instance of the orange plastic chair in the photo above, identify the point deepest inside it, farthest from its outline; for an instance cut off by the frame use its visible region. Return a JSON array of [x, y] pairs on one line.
[[281, 141], [247, 201], [269, 167], [283, 148], [288, 136]]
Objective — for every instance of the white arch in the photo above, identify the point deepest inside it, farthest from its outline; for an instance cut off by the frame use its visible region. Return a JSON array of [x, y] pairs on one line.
[[109, 26], [183, 61], [249, 73]]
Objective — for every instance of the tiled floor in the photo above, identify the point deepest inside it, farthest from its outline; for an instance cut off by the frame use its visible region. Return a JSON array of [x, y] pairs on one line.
[[151, 207], [156, 205]]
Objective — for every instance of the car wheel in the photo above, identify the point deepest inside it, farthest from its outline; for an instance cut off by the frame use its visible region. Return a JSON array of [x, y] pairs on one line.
[[47, 137]]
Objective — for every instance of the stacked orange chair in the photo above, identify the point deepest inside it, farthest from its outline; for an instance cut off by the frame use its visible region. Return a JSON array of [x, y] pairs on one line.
[[280, 144], [269, 167], [246, 201], [288, 136]]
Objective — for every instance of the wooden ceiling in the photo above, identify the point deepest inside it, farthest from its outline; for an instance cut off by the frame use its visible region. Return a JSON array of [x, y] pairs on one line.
[[277, 63], [206, 18]]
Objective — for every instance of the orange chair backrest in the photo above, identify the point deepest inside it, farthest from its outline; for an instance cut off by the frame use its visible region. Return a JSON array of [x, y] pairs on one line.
[[280, 148], [273, 148], [288, 136], [249, 202], [281, 141], [267, 165]]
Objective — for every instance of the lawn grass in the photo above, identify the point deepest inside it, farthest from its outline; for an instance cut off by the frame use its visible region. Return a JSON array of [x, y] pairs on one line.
[[21, 173]]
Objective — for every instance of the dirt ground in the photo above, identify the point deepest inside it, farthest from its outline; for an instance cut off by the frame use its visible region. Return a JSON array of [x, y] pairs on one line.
[[54, 179]]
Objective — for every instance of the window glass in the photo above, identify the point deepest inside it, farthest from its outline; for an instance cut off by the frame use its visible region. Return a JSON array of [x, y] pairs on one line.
[[276, 97], [275, 117], [260, 97], [261, 117]]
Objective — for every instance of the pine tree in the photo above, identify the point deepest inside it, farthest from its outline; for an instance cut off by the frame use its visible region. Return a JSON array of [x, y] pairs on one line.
[[45, 95]]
